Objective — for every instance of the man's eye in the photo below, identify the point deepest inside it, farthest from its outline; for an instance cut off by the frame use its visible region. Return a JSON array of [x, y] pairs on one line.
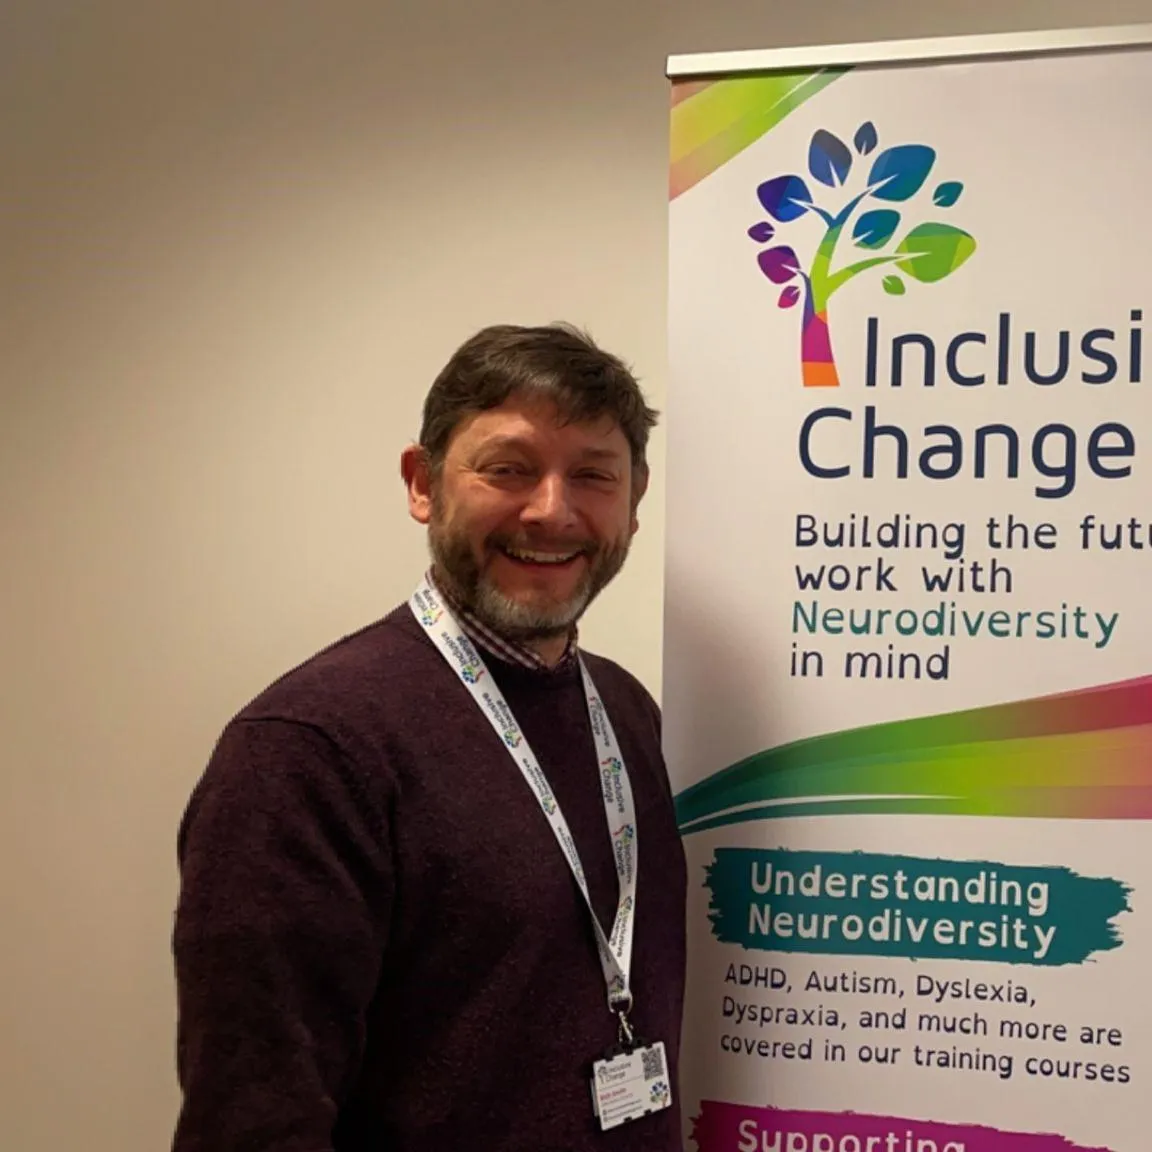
[[596, 475], [506, 470]]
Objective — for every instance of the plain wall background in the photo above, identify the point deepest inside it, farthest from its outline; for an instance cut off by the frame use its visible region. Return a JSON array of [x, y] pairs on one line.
[[236, 243]]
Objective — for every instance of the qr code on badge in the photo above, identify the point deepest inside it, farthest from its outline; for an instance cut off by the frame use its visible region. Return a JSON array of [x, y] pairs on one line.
[[652, 1062]]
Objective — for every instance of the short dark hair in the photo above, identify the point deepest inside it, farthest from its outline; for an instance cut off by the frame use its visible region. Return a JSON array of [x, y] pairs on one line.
[[557, 361]]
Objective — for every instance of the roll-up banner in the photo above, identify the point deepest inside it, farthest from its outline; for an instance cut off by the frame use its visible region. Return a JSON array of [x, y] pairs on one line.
[[908, 651]]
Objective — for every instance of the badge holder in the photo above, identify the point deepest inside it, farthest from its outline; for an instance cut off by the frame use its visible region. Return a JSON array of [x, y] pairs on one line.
[[632, 1079]]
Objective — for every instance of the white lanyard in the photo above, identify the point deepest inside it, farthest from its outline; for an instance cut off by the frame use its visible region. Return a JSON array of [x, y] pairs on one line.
[[619, 810]]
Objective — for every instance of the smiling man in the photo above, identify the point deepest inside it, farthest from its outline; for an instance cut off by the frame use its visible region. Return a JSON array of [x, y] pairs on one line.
[[432, 891]]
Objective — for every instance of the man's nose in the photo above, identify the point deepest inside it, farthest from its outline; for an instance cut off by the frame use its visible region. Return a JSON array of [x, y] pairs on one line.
[[550, 503]]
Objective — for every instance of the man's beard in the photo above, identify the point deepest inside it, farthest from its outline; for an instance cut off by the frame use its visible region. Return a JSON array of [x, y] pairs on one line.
[[455, 564]]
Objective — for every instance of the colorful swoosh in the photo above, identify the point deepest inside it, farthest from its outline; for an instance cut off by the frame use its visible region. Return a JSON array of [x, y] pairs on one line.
[[713, 121], [1079, 755]]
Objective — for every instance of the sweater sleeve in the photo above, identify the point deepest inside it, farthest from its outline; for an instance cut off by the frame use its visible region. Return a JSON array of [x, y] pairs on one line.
[[285, 898]]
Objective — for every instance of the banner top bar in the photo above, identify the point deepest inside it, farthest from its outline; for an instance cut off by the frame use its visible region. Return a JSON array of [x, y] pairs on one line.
[[908, 51]]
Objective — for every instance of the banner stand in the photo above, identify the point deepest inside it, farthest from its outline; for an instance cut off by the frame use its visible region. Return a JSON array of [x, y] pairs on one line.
[[908, 651]]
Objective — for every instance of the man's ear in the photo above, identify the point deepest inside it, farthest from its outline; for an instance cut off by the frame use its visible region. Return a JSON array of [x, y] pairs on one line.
[[639, 487], [416, 470]]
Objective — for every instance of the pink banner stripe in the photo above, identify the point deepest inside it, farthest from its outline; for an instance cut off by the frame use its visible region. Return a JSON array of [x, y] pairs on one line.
[[724, 1127]]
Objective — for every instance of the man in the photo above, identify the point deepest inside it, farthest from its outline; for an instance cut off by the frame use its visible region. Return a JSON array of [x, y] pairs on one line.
[[383, 940]]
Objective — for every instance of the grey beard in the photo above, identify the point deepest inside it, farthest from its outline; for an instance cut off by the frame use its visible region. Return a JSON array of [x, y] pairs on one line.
[[455, 566], [525, 622]]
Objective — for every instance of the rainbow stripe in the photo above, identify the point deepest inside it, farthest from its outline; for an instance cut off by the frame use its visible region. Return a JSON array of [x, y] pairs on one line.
[[713, 121], [1084, 755]]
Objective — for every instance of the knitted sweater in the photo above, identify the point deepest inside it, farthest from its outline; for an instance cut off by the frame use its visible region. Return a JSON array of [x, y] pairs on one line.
[[379, 945]]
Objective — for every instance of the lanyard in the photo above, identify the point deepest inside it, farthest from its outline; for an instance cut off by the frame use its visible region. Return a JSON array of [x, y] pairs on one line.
[[619, 810]]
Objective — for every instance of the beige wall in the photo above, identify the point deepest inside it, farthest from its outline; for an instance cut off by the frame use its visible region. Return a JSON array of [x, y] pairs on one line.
[[236, 241]]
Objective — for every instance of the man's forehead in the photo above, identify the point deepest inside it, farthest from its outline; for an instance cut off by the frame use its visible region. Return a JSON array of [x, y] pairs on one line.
[[529, 419]]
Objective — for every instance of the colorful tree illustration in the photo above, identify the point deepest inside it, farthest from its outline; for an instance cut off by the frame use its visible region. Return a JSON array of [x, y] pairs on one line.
[[927, 252]]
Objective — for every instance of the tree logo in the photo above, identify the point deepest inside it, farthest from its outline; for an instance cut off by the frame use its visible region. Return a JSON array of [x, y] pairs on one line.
[[927, 253]]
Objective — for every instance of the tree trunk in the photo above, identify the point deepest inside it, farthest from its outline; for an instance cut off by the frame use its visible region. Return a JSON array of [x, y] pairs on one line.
[[819, 366]]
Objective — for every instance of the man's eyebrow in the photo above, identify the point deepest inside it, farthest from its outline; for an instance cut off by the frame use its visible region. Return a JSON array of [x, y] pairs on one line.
[[601, 454], [510, 441]]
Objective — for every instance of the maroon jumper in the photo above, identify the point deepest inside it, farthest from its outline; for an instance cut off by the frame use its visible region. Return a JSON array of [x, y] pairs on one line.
[[379, 945]]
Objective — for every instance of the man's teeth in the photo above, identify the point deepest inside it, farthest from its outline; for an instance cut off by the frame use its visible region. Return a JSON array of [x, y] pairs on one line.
[[542, 557]]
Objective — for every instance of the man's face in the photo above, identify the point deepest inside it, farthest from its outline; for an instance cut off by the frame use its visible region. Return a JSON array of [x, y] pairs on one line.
[[530, 518]]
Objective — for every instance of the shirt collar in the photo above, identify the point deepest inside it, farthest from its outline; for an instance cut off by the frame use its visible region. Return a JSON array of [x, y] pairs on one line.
[[510, 651]]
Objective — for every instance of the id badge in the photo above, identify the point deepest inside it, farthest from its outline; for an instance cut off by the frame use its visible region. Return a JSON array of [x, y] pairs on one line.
[[630, 1085]]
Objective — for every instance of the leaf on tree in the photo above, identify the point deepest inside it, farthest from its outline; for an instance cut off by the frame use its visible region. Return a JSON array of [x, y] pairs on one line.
[[933, 251], [894, 286], [762, 232], [899, 173], [874, 229], [785, 198], [947, 194], [789, 297], [779, 264], [829, 160], [866, 138]]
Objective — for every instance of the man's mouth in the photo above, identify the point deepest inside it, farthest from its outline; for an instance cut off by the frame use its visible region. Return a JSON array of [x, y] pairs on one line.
[[542, 556]]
